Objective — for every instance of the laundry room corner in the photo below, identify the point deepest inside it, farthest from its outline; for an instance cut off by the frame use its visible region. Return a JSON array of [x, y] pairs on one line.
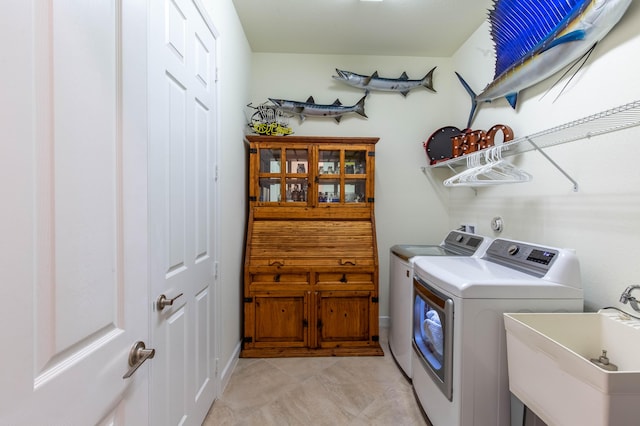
[[599, 220]]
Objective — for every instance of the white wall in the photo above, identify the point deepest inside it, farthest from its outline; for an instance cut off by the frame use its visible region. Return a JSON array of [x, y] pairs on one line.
[[234, 61], [602, 220], [414, 208], [407, 208]]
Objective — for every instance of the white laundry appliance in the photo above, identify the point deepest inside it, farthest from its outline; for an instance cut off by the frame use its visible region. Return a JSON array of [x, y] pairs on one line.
[[459, 360], [403, 256]]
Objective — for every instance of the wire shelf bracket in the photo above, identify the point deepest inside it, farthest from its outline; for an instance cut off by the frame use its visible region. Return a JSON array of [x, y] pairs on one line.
[[545, 155]]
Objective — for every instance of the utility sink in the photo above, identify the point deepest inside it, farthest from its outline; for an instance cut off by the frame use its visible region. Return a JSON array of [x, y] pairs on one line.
[[551, 373]]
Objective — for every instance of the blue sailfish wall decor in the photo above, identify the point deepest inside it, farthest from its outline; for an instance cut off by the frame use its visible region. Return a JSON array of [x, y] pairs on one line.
[[535, 39]]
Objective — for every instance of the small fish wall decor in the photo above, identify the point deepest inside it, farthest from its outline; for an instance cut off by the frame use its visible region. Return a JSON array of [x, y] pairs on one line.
[[268, 120], [534, 39], [309, 108], [374, 82]]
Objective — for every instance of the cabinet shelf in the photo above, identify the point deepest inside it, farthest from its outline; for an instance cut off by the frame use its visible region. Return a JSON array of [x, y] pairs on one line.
[[611, 120]]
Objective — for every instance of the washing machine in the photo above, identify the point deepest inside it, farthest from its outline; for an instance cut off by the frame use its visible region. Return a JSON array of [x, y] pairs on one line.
[[459, 362], [402, 258]]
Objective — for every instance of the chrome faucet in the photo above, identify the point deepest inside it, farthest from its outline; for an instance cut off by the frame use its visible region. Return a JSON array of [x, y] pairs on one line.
[[627, 297]]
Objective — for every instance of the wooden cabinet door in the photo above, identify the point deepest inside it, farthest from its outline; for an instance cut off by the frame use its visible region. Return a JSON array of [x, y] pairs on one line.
[[344, 318], [344, 175], [280, 174], [280, 319]]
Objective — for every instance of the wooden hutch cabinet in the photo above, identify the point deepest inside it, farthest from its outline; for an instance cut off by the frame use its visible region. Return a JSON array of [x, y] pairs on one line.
[[311, 261]]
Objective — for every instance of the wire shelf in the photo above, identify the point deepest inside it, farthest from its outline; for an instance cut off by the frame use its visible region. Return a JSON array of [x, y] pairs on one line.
[[608, 121]]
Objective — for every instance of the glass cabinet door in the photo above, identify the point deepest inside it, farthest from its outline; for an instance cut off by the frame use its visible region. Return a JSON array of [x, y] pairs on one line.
[[270, 160], [329, 190], [342, 175], [270, 169], [269, 190], [355, 190], [328, 176], [283, 174], [297, 178], [328, 162], [355, 182], [312, 175], [355, 162]]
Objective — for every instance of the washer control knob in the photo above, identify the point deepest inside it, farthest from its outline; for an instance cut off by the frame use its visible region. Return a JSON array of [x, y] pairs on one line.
[[459, 238], [513, 250]]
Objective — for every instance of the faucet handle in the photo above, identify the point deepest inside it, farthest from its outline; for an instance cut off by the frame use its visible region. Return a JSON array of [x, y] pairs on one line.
[[627, 297]]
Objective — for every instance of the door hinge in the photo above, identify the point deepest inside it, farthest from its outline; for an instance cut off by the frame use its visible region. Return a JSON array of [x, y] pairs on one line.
[[371, 153], [248, 340], [375, 338], [305, 323], [253, 198], [253, 150], [248, 300], [374, 300], [319, 323], [370, 200]]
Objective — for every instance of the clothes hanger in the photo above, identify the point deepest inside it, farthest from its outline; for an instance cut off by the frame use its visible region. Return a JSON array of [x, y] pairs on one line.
[[488, 168]]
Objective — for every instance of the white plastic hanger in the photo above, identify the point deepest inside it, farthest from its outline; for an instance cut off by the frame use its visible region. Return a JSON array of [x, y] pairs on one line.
[[488, 168]]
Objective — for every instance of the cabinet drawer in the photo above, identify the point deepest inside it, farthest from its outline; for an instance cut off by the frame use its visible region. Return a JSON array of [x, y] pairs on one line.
[[296, 261], [277, 278], [348, 278]]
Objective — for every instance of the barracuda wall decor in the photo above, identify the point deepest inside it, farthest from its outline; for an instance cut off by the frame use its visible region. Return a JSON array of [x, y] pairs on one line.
[[534, 39], [309, 108], [374, 82]]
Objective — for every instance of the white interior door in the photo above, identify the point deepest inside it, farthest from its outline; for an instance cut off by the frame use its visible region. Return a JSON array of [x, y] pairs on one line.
[[73, 217], [181, 183]]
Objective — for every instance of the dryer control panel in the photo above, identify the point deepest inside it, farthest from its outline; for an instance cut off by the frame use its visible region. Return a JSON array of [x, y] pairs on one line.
[[528, 258]]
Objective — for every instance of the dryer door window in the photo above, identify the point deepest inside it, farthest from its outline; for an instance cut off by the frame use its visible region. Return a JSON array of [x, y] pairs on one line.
[[433, 333]]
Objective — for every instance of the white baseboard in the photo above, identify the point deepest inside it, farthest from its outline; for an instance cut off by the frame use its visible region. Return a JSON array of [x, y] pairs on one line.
[[384, 322], [225, 377]]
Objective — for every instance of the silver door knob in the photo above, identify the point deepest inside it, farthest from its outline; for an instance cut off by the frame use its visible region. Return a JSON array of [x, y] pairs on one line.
[[163, 302], [137, 356]]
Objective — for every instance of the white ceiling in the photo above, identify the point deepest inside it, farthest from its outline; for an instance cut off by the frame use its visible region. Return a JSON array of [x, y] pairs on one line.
[[434, 28]]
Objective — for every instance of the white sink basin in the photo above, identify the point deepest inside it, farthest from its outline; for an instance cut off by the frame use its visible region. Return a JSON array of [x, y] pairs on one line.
[[550, 369]]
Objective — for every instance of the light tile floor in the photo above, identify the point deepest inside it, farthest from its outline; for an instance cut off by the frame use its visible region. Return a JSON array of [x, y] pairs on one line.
[[332, 391]]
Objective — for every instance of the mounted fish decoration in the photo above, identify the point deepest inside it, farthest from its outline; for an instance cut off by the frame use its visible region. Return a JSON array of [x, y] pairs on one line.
[[535, 39], [310, 108], [268, 120], [373, 82]]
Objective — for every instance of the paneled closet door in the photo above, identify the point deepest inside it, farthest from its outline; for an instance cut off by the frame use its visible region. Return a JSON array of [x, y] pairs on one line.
[[182, 129], [74, 217]]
